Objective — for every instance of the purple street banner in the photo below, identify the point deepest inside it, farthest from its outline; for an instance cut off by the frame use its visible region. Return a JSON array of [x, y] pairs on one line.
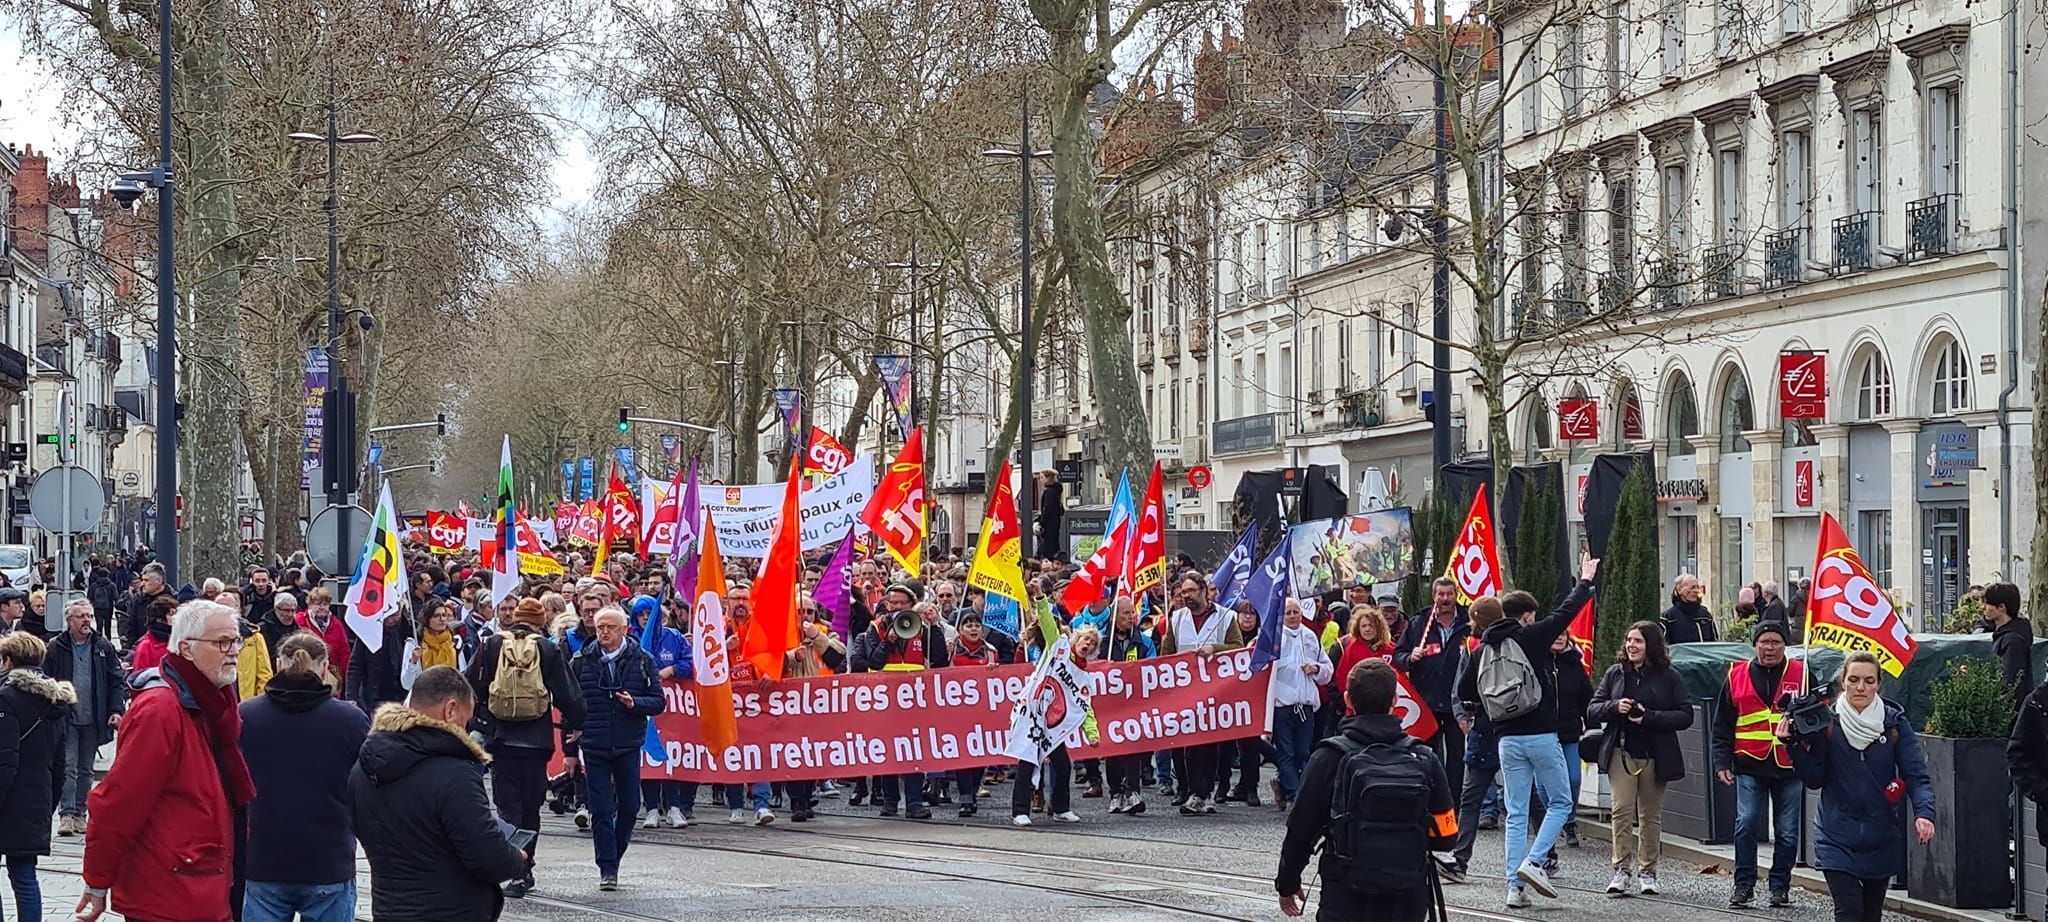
[[898, 384], [316, 399], [790, 402]]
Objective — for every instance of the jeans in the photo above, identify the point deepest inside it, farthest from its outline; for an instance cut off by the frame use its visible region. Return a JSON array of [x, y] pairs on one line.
[[1058, 769], [28, 894], [1782, 798], [738, 796], [81, 746], [910, 788], [519, 785], [1571, 770], [1525, 759], [1162, 767], [1294, 734], [1857, 899], [614, 779], [660, 795], [1127, 775], [264, 902]]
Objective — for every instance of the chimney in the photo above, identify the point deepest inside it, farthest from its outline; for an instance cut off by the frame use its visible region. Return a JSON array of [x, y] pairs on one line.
[[31, 218]]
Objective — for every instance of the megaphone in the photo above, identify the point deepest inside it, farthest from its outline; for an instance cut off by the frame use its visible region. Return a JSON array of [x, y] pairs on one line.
[[906, 624]]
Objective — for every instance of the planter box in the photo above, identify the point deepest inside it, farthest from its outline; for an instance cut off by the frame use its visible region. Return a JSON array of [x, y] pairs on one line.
[[1697, 806], [2032, 890], [1969, 864]]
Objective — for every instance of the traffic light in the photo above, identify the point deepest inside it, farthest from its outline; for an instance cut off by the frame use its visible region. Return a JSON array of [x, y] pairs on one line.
[[624, 425]]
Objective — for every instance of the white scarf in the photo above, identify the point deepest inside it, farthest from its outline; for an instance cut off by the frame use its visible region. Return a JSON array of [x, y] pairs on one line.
[[1860, 728]]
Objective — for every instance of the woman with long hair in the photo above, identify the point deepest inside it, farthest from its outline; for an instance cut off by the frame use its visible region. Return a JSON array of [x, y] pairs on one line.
[[1365, 637], [1642, 704]]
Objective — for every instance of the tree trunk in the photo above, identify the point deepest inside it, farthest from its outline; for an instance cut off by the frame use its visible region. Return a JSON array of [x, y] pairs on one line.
[[1041, 307]]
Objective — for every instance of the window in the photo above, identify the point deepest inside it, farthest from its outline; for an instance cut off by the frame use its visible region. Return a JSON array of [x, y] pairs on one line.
[[1671, 21], [1315, 353], [1736, 415], [1243, 386], [1873, 388], [1874, 543], [1793, 16], [1672, 208], [1315, 246], [1617, 54], [1621, 218], [1681, 419], [1728, 196], [1376, 356], [1631, 428], [1570, 67], [1263, 398], [1285, 395], [1537, 438], [1944, 140], [1173, 409], [1344, 355], [1531, 89], [1866, 160], [1795, 178], [1951, 380], [1532, 233], [1727, 28], [1409, 320]]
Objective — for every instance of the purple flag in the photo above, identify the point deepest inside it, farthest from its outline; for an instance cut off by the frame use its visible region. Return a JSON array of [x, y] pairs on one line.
[[682, 559], [834, 593]]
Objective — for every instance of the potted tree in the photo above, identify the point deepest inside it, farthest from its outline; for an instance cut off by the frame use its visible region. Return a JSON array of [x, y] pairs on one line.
[[1967, 865]]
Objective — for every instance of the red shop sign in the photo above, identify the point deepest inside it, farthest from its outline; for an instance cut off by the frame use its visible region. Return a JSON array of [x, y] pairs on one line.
[[1802, 385], [1802, 484], [1578, 420]]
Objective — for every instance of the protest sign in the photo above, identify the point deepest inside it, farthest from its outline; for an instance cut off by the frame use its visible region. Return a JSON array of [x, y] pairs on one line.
[[745, 515]]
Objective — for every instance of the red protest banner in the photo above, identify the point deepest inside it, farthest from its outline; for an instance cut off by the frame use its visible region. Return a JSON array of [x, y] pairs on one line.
[[886, 723]]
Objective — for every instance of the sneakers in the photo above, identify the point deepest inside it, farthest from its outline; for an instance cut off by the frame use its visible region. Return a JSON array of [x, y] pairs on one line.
[[1781, 899], [1622, 882], [1518, 898], [1489, 821], [676, 819], [1571, 835], [516, 890], [828, 789], [1208, 807], [582, 818], [1116, 803], [1744, 895], [1195, 806], [1551, 866], [918, 812], [1093, 791], [887, 812], [738, 818], [1532, 874], [1020, 820], [1067, 817], [968, 809], [608, 882], [764, 816], [1647, 883], [651, 819], [1449, 869], [1134, 805], [70, 826]]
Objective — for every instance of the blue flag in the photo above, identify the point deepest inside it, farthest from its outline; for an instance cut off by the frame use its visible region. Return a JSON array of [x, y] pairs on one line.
[[626, 462], [1236, 568], [650, 637], [1268, 591], [1001, 614]]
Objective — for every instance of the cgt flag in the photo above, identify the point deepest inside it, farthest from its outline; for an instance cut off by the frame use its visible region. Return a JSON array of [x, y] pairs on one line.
[[897, 512], [1146, 564], [1581, 633], [1848, 610], [999, 550], [824, 455], [1474, 565], [379, 583]]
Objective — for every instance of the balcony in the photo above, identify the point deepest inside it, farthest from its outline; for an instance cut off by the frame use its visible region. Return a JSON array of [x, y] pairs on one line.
[[109, 348], [1256, 291], [1169, 343], [1282, 284], [1233, 300], [13, 370], [1931, 226], [1784, 257], [1855, 241], [1520, 306], [1568, 302], [1719, 271], [1146, 355], [54, 357], [1617, 291], [1670, 284], [1198, 338]]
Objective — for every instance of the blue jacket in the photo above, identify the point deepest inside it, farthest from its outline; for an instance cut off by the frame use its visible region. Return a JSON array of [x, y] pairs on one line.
[[671, 648], [609, 726], [1858, 830]]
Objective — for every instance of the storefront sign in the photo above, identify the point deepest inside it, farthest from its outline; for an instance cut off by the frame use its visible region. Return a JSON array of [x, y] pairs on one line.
[[1693, 490], [1802, 484], [1802, 385], [1578, 420], [1948, 453]]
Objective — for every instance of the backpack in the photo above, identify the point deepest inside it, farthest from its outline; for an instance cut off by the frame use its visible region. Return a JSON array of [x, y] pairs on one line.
[[1508, 685], [518, 690], [1378, 816]]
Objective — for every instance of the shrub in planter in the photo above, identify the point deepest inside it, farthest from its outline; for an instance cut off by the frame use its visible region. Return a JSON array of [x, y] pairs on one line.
[[1966, 866], [1968, 614]]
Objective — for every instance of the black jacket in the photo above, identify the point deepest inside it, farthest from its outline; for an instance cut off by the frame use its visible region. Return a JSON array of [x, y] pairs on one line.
[[554, 671], [1772, 609], [1574, 693], [1309, 821], [110, 679], [871, 650], [33, 708], [256, 608], [1661, 693], [1722, 744], [300, 744], [373, 678], [609, 726], [1689, 622], [2014, 644], [100, 592], [135, 618], [2026, 752], [1535, 639], [417, 797], [1435, 677]]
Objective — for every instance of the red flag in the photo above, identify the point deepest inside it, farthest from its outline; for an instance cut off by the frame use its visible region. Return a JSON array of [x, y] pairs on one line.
[[1145, 565], [589, 522], [1473, 565], [624, 518], [447, 533], [1581, 633], [897, 512], [825, 455], [1416, 719], [1087, 585], [661, 527], [707, 638], [565, 520], [774, 603], [1848, 609]]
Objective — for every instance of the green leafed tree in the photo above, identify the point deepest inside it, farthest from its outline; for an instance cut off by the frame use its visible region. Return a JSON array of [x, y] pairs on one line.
[[1534, 566], [1628, 575]]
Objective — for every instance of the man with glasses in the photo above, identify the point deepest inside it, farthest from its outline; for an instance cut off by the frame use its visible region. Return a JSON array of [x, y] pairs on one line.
[[620, 692], [177, 780], [739, 623]]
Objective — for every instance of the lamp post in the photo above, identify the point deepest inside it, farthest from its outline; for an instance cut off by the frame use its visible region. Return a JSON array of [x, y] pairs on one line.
[[732, 424], [1027, 342], [937, 345], [339, 452], [803, 387]]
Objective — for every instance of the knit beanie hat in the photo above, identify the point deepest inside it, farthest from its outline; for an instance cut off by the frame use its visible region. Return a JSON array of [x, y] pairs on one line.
[[1769, 627]]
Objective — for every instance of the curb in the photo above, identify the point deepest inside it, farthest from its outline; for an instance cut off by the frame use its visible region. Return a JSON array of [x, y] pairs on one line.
[[1804, 878]]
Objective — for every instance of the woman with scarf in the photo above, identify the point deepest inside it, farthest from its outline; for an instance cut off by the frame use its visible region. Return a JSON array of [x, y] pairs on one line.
[[319, 620], [33, 709], [1867, 765], [438, 644], [1365, 637]]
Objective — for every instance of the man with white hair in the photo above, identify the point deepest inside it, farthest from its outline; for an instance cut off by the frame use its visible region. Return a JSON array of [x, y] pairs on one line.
[[1772, 606], [1688, 620], [177, 784], [620, 692], [84, 658]]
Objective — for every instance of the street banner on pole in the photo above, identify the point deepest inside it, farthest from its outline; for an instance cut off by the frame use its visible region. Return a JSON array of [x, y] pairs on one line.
[[790, 403], [586, 476], [899, 385], [316, 400]]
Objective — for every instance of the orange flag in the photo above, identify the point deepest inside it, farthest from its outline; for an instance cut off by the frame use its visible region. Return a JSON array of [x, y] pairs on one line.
[[1473, 565], [1581, 633], [897, 512], [707, 644], [774, 629]]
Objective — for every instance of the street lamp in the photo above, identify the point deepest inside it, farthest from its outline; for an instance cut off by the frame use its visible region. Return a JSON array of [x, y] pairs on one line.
[[803, 393], [732, 415], [340, 451], [1027, 345], [937, 345]]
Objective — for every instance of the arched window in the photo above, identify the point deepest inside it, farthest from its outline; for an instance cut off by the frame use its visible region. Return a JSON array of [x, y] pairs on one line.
[[1536, 438], [1629, 413], [1737, 416], [1577, 452], [1950, 382], [1873, 386], [1681, 418]]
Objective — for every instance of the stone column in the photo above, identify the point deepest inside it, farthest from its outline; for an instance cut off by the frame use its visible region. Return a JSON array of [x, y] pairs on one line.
[[1906, 473], [1764, 451], [1831, 495], [1705, 448]]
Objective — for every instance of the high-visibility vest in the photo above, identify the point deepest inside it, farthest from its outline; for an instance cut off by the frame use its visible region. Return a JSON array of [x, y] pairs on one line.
[[1756, 720]]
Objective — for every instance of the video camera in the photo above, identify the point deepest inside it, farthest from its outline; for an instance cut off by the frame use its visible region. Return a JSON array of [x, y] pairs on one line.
[[1811, 713]]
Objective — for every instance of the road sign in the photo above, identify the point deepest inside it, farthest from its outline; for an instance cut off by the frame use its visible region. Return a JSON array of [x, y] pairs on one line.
[[131, 483], [1199, 477], [67, 499], [337, 557]]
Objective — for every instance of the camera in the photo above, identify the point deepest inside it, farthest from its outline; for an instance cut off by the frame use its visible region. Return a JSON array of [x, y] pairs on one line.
[[1810, 713], [127, 192]]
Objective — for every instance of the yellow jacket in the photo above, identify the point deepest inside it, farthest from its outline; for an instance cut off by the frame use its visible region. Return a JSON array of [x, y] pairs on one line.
[[253, 668]]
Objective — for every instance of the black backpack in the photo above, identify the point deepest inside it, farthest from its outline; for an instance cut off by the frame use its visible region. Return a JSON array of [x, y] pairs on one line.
[[1379, 814]]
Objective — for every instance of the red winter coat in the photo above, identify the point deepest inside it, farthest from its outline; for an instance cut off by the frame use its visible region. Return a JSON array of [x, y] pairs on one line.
[[161, 832], [336, 636]]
